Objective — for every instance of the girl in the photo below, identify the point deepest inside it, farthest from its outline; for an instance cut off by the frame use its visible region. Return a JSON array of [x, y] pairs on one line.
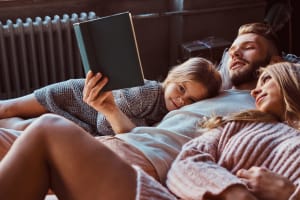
[[48, 152], [83, 102]]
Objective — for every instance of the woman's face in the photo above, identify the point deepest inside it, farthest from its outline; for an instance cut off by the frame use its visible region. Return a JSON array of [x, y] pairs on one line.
[[268, 96]]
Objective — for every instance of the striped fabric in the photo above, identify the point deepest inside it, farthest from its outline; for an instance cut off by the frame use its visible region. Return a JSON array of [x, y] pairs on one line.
[[207, 164]]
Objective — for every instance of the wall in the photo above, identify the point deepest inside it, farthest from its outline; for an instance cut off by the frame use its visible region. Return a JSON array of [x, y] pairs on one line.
[[218, 18], [161, 26]]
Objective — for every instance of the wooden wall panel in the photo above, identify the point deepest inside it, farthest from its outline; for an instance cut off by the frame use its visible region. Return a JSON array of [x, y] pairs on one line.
[[161, 26]]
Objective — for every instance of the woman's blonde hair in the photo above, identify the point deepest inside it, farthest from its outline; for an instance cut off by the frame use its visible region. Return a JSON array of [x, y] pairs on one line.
[[199, 70], [287, 75]]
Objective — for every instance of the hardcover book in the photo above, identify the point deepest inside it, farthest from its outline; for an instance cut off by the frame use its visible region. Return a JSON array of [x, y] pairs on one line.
[[108, 45]]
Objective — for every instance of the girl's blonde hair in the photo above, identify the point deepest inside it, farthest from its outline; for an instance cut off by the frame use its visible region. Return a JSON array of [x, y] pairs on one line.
[[287, 75], [199, 70]]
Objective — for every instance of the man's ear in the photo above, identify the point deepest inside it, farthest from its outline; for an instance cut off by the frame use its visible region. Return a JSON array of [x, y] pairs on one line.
[[276, 59]]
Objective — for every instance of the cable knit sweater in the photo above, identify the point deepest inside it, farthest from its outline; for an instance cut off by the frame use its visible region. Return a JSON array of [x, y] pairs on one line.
[[144, 105], [208, 163]]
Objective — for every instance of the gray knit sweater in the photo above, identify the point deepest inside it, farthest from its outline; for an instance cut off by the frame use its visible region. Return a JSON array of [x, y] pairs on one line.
[[208, 163], [144, 105]]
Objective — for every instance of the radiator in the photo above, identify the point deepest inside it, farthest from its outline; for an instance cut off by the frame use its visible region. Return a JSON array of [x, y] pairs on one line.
[[37, 52]]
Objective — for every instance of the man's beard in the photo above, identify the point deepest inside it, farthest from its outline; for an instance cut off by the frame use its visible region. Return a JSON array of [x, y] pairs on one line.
[[249, 74]]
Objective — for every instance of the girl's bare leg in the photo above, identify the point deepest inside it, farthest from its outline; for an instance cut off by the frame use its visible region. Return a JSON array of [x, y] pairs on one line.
[[55, 153], [7, 138]]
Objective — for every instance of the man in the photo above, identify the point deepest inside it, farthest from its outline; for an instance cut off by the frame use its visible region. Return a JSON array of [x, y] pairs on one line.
[[253, 48], [247, 53]]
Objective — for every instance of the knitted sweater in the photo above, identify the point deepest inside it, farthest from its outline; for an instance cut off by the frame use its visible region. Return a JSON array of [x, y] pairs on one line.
[[144, 105], [208, 163]]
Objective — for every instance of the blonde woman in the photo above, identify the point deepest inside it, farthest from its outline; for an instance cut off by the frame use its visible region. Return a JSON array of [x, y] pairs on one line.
[[209, 166]]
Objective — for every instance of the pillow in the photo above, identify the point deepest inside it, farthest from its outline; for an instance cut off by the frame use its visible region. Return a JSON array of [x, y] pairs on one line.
[[222, 68], [291, 58]]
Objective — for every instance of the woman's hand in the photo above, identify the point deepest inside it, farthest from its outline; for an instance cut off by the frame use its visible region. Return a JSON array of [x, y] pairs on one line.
[[94, 96], [236, 192], [265, 184]]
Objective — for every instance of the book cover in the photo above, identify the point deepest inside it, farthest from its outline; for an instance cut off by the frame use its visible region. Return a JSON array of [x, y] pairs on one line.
[[108, 45]]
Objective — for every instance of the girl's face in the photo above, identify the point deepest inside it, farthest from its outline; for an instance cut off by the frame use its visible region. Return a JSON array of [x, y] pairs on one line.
[[268, 96], [180, 94]]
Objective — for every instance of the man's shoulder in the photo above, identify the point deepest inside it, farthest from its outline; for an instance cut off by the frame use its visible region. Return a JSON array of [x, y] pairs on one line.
[[231, 94], [235, 91], [226, 102]]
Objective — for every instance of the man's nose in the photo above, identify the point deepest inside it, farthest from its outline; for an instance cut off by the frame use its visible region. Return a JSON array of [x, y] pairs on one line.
[[235, 53]]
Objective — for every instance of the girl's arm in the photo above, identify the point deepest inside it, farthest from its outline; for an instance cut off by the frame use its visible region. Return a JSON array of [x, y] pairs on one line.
[[119, 122], [104, 102]]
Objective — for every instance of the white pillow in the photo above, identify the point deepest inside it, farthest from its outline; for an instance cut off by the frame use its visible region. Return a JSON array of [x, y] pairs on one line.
[[222, 68]]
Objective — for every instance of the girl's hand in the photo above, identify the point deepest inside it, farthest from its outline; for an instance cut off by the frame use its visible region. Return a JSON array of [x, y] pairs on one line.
[[266, 184], [104, 102], [92, 95]]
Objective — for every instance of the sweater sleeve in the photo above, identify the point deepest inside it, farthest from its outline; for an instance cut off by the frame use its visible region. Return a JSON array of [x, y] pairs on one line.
[[140, 101], [195, 172], [143, 105]]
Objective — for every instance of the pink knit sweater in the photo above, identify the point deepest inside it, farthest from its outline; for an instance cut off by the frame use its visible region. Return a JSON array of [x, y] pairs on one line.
[[207, 164]]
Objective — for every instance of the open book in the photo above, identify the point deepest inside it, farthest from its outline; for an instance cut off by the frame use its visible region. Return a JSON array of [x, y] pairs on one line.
[[108, 45]]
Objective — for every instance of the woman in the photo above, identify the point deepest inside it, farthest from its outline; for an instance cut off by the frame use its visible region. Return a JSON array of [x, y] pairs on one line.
[[209, 166], [58, 155]]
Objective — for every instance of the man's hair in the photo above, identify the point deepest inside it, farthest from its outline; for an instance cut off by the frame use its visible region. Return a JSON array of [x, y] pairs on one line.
[[265, 30]]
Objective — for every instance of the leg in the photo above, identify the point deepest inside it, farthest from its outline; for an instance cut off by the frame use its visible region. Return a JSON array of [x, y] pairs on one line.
[[25, 107], [7, 138], [15, 123], [55, 153]]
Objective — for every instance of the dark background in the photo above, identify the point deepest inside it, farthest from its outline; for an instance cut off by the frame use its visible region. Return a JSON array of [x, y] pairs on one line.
[[162, 26]]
